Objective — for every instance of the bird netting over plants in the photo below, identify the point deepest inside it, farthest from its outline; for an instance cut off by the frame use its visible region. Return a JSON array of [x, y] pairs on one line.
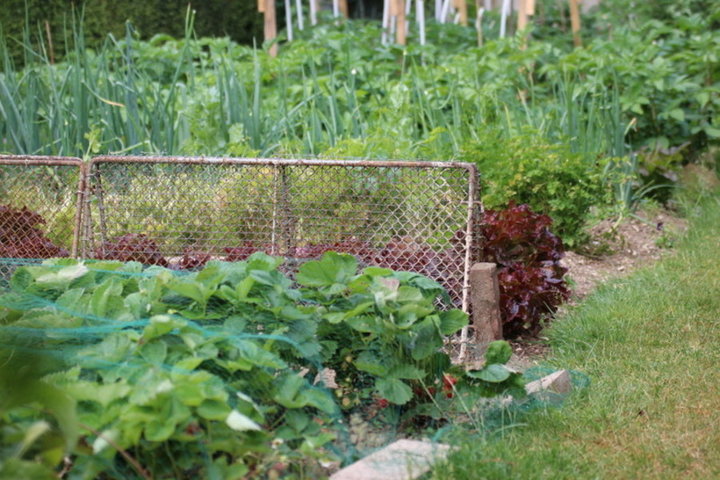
[[234, 370]]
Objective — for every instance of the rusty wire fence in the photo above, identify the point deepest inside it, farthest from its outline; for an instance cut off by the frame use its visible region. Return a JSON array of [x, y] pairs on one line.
[[182, 212], [39, 214]]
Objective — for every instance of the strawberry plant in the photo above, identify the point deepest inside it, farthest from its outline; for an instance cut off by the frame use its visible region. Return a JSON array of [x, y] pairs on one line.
[[224, 371]]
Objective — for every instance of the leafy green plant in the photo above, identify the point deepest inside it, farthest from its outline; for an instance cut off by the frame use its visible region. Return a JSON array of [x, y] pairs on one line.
[[211, 373], [548, 177]]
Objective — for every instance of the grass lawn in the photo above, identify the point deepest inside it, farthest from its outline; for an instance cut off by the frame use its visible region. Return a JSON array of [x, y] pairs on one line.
[[651, 346]]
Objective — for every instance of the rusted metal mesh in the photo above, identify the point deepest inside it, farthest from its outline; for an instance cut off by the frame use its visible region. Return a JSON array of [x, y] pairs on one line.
[[38, 208], [182, 212]]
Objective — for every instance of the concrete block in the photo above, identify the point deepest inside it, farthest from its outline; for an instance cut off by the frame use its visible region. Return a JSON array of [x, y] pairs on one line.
[[485, 301], [402, 460]]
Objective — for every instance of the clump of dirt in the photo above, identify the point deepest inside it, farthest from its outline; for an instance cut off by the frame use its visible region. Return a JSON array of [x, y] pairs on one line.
[[618, 248]]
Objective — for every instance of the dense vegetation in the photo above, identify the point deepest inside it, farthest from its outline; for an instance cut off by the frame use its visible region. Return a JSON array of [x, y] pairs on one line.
[[133, 371], [561, 130]]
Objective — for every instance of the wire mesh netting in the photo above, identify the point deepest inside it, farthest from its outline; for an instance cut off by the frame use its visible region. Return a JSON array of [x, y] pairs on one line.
[[183, 212], [199, 380], [38, 207]]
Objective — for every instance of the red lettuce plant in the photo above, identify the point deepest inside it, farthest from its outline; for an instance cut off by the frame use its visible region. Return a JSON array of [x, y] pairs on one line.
[[528, 255], [193, 259], [20, 236], [132, 247]]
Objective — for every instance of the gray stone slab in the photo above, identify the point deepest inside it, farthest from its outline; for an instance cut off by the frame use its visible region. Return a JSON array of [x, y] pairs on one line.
[[402, 460]]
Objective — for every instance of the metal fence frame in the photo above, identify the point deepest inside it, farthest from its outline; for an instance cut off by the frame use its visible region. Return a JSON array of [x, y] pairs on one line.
[[471, 202], [87, 196], [49, 161]]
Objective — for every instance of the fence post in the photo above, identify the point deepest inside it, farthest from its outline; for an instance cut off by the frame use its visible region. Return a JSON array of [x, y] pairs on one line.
[[485, 301]]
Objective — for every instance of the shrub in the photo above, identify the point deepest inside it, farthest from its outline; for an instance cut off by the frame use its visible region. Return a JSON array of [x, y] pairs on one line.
[[549, 178]]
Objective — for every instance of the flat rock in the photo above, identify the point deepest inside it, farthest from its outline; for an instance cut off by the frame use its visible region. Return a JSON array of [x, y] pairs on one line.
[[401, 460]]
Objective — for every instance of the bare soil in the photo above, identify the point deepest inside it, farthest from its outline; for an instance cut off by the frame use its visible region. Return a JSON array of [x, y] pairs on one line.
[[620, 248]]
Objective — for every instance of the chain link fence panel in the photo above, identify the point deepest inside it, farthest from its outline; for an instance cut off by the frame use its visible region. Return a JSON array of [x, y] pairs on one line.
[[39, 217], [182, 212]]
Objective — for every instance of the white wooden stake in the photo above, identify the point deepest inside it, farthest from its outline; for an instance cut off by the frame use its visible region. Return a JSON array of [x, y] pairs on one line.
[[288, 20], [336, 8], [445, 11], [301, 20], [385, 22], [313, 12], [420, 13], [504, 14], [438, 10], [478, 26]]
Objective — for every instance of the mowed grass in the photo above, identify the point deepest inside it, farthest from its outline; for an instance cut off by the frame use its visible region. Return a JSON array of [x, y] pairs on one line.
[[651, 346]]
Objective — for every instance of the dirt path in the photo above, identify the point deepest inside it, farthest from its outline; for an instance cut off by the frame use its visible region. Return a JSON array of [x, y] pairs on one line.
[[621, 248]]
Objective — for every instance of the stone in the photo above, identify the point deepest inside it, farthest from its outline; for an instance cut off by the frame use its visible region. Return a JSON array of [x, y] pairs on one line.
[[557, 382], [401, 460], [485, 302]]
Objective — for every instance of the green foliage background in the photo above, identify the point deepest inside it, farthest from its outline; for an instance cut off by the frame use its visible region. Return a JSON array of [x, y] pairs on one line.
[[237, 19]]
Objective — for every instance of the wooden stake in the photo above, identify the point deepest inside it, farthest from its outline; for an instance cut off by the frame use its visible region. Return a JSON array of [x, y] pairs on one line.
[[575, 22], [522, 15], [530, 7], [271, 26], [478, 22], [313, 12], [344, 8], [51, 50], [386, 21], [261, 6], [461, 6], [401, 28], [288, 20], [301, 20]]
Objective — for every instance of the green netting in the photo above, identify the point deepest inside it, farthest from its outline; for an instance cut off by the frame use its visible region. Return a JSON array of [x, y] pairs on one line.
[[237, 370]]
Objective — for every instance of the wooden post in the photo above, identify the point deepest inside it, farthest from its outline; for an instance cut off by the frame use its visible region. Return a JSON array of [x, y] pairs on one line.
[[522, 22], [522, 15], [270, 26], [575, 22], [461, 6], [261, 6], [400, 28], [485, 301], [344, 11], [530, 7]]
